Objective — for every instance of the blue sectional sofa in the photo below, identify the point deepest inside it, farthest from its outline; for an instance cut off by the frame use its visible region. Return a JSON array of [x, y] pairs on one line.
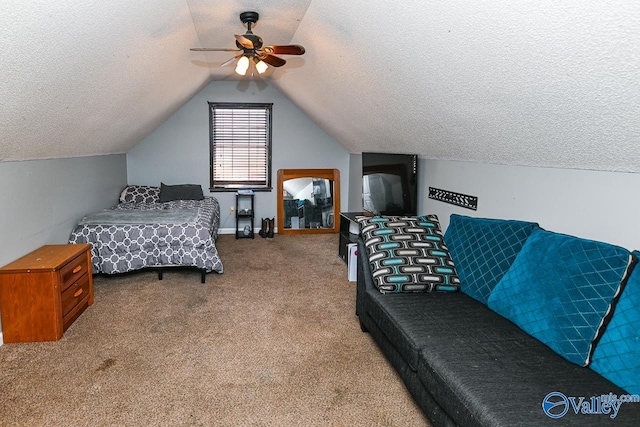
[[502, 323]]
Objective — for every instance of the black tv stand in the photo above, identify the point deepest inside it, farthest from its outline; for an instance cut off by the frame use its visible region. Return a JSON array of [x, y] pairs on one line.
[[346, 218]]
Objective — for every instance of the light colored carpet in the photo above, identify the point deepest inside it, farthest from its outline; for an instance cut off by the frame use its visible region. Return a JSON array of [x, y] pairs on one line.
[[274, 341]]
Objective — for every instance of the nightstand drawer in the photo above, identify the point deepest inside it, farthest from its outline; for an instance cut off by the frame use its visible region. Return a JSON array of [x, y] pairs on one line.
[[75, 293], [73, 270], [75, 313]]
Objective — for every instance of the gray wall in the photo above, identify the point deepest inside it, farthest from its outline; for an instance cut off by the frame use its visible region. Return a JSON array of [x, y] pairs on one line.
[[42, 200], [177, 152], [591, 204]]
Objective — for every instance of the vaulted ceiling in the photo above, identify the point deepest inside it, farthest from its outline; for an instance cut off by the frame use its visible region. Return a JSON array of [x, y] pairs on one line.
[[541, 83]]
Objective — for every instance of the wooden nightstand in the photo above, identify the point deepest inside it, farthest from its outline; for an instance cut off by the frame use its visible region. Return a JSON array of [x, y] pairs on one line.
[[44, 292]]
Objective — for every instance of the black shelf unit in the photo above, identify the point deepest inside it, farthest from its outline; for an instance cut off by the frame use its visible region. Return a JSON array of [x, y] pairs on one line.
[[346, 218], [244, 215]]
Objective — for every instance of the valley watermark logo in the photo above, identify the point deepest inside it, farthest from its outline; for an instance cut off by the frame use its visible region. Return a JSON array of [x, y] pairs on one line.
[[556, 404]]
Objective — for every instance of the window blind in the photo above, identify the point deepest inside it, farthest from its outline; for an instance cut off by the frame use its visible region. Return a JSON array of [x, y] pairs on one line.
[[240, 146]]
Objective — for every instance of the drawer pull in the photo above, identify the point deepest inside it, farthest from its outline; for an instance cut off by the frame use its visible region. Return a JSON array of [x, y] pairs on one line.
[[78, 293], [78, 268]]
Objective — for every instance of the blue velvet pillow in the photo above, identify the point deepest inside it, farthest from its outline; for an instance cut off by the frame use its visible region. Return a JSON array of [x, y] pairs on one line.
[[483, 250], [560, 290], [617, 354]]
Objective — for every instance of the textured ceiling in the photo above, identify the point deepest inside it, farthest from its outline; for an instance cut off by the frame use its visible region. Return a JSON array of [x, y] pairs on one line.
[[540, 83]]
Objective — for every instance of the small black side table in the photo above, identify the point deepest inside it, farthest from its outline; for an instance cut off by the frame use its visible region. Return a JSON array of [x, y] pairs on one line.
[[346, 218], [244, 214]]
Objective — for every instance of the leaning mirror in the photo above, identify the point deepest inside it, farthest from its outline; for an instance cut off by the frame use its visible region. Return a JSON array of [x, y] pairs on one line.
[[308, 201]]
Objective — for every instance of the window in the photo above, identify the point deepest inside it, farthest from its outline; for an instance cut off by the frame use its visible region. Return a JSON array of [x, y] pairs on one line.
[[240, 144]]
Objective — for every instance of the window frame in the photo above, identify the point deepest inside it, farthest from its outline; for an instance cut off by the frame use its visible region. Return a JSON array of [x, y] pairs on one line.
[[240, 185]]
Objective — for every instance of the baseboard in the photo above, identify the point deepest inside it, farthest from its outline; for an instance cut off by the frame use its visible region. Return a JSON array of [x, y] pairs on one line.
[[233, 230], [1, 341]]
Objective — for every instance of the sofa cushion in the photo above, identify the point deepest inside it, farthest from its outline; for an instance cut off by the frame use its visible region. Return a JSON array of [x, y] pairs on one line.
[[483, 250], [560, 290], [617, 354], [408, 254], [410, 321], [485, 371]]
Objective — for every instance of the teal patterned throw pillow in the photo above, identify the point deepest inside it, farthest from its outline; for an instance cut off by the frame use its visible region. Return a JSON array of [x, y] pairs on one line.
[[617, 354], [408, 254], [562, 289]]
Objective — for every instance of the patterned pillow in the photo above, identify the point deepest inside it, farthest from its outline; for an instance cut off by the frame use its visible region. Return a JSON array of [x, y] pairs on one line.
[[562, 289], [616, 356], [140, 194], [408, 254], [483, 250]]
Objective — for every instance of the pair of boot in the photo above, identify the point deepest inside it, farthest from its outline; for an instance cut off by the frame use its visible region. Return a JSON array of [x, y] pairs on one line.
[[268, 225]]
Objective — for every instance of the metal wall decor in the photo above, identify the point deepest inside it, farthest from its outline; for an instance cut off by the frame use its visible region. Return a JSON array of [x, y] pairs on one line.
[[463, 200]]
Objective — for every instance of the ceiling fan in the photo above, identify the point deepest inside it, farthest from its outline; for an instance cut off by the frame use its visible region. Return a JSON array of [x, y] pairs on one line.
[[252, 49]]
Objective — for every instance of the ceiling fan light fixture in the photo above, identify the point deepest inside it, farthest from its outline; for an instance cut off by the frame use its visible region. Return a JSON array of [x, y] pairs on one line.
[[242, 66], [261, 66], [250, 47]]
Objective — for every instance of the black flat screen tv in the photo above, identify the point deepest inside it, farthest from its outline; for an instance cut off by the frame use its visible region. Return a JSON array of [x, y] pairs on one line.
[[389, 183]]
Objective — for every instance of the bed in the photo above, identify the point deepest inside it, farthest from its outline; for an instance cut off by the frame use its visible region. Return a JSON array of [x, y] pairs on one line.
[[157, 227]]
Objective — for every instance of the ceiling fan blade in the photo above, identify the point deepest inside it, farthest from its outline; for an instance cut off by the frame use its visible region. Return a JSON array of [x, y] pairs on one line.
[[213, 49], [244, 42], [290, 49], [230, 60], [274, 61]]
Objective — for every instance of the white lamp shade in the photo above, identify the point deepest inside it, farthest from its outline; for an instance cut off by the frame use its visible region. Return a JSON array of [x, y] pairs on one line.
[[242, 66], [261, 66]]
